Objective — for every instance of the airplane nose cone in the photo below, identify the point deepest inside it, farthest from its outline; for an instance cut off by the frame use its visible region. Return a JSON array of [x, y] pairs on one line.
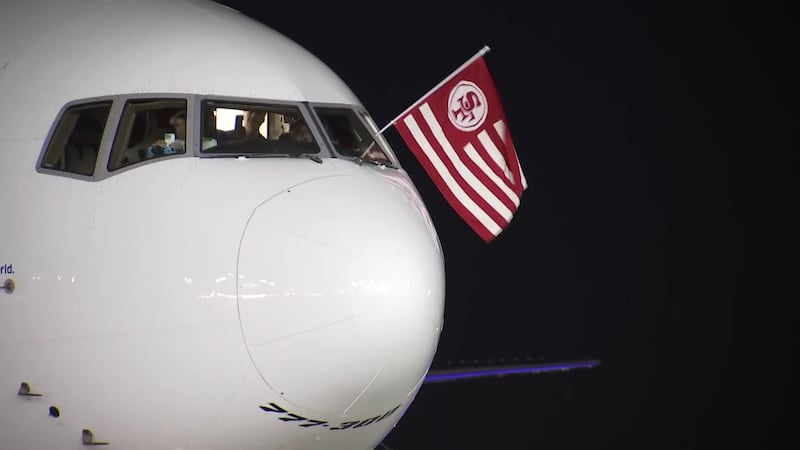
[[341, 293]]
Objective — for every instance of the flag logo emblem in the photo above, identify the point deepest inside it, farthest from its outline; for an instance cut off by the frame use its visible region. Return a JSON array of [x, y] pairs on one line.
[[468, 106]]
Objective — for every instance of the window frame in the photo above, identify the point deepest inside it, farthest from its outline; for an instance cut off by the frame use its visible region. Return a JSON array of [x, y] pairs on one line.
[[194, 116], [235, 102], [124, 101], [52, 135], [366, 120]]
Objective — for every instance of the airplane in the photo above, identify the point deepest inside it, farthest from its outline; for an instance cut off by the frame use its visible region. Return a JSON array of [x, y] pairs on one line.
[[177, 268]]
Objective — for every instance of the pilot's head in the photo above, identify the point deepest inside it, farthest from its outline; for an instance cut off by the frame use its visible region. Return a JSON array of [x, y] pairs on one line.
[[300, 132], [178, 121], [252, 121]]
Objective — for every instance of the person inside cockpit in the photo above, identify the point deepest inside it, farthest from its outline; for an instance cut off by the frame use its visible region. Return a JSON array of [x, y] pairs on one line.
[[172, 142], [251, 123], [298, 132]]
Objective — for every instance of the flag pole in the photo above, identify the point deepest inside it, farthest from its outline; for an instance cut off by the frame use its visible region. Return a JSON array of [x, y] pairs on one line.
[[480, 53]]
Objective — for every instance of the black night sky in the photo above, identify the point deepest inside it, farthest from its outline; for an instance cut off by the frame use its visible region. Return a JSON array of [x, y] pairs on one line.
[[658, 143]]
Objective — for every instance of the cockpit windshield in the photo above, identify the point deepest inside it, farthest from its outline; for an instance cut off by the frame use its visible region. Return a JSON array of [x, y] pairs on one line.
[[350, 136], [255, 129], [145, 129]]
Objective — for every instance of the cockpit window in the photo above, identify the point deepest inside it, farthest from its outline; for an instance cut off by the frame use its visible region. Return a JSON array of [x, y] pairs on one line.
[[74, 145], [146, 127], [149, 128], [255, 129], [349, 135]]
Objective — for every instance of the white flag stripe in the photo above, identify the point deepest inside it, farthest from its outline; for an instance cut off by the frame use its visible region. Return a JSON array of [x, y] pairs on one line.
[[480, 162], [496, 154], [500, 127], [492, 149], [462, 169], [522, 176], [451, 183]]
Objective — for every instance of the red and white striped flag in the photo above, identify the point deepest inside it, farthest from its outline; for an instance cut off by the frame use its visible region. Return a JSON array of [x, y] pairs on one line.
[[460, 135]]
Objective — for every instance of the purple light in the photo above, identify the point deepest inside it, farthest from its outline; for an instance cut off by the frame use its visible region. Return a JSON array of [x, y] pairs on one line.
[[482, 372]]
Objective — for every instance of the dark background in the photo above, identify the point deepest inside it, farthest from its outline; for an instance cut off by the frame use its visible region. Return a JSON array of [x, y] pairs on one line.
[[658, 142]]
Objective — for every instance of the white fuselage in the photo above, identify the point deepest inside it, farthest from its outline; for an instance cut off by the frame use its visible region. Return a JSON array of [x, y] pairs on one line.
[[196, 302], [133, 303]]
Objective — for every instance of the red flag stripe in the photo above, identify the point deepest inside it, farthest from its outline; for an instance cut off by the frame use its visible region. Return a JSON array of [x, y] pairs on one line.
[[503, 186], [496, 156], [451, 179], [452, 167], [467, 208], [502, 130], [484, 167], [480, 188], [492, 145]]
